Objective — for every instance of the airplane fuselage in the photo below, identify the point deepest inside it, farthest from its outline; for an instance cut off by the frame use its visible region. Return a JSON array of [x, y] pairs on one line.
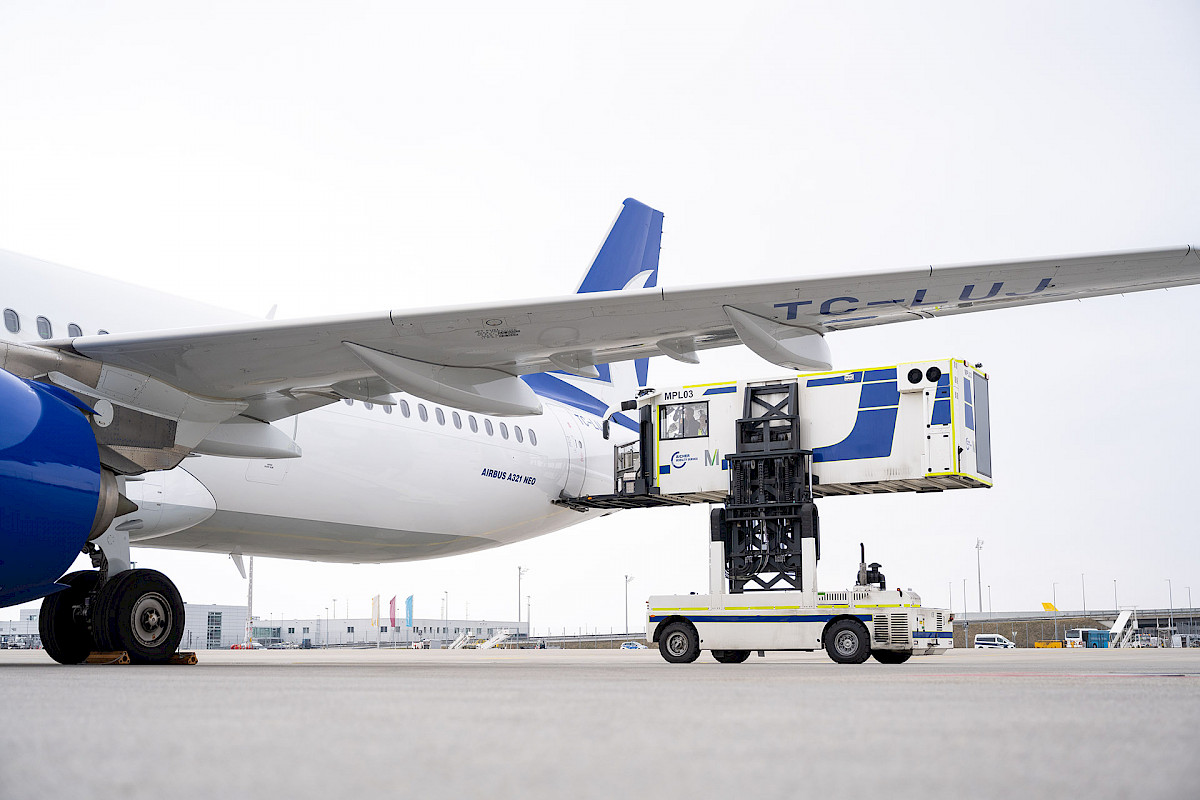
[[375, 483]]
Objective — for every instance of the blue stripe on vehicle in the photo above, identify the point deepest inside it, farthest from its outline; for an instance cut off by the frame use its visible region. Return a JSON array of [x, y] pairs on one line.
[[721, 390]]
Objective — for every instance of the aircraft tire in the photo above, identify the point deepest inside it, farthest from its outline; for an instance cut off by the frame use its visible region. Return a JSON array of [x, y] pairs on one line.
[[891, 656], [139, 611], [66, 637], [679, 643], [731, 656]]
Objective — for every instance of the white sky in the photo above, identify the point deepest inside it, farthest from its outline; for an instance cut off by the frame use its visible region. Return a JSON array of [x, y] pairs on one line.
[[354, 157]]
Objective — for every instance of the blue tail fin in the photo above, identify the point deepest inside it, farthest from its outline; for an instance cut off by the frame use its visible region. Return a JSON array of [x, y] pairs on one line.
[[628, 259], [629, 251]]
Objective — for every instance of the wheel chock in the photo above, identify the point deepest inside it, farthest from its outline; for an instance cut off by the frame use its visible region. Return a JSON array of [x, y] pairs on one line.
[[188, 659], [117, 657]]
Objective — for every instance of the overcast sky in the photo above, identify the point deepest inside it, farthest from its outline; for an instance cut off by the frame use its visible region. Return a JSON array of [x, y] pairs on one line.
[[354, 157]]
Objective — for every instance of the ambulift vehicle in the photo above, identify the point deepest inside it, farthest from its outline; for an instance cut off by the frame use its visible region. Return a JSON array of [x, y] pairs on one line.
[[767, 450]]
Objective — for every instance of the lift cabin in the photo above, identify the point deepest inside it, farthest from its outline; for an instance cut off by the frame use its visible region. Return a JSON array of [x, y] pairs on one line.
[[766, 451]]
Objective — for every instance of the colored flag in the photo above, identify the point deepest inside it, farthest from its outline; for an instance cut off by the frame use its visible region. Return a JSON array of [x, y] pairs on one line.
[[392, 610], [375, 611], [408, 611]]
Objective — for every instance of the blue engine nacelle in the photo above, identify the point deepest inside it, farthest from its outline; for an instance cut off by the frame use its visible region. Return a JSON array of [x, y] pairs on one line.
[[53, 492]]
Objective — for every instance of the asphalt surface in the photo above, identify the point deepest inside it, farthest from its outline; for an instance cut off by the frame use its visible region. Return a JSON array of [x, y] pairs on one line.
[[498, 724]]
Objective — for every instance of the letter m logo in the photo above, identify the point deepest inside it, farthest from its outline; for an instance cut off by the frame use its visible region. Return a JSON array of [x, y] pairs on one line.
[[712, 457]]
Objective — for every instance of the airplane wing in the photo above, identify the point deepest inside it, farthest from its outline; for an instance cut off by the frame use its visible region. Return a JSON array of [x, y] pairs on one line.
[[469, 356]]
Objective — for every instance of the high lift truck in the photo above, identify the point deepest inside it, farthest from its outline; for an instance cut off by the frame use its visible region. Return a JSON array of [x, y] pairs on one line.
[[767, 450]]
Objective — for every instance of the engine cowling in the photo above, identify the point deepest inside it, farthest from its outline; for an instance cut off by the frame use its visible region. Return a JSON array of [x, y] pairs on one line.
[[53, 491]]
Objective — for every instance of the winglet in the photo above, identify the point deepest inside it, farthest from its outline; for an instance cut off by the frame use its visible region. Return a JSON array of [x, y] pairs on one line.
[[629, 251]]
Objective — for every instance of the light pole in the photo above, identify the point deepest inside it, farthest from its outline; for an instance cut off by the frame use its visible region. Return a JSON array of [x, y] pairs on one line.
[[628, 579], [989, 598], [950, 594], [528, 624], [1115, 606], [1054, 602], [1170, 605], [1083, 586], [446, 607], [326, 637], [520, 571], [964, 595], [978, 573]]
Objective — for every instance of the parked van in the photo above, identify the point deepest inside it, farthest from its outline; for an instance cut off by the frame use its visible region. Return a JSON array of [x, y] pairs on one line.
[[985, 641]]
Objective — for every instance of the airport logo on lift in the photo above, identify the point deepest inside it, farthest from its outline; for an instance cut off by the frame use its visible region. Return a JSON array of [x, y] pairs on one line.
[[841, 306], [680, 460]]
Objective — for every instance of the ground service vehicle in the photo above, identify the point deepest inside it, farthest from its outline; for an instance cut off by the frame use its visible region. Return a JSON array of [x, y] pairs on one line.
[[766, 451], [986, 641]]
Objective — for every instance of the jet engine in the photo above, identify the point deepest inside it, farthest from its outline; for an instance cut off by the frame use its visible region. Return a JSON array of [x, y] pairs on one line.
[[54, 494]]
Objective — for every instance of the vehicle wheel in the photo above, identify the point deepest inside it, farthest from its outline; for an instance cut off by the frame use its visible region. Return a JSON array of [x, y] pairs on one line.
[[65, 636], [731, 656], [848, 642], [139, 611], [891, 656], [679, 643]]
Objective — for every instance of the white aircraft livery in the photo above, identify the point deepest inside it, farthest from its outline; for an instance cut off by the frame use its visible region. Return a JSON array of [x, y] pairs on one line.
[[399, 435]]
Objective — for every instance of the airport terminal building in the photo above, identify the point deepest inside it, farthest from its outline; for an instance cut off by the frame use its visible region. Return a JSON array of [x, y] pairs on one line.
[[220, 627]]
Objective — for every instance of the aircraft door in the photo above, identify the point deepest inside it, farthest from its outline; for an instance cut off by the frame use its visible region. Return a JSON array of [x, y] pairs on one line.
[[576, 456]]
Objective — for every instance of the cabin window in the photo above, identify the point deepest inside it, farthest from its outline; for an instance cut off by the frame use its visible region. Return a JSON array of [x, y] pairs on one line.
[[503, 431], [532, 437], [368, 406], [45, 330], [74, 330], [404, 409], [487, 426], [457, 420], [517, 433], [347, 401], [683, 420], [422, 413], [441, 417], [12, 321], [387, 409], [473, 423]]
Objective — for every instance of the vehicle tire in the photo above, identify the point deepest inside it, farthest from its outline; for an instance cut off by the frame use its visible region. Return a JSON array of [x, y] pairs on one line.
[[139, 611], [891, 656], [66, 637], [731, 656], [679, 643], [848, 642]]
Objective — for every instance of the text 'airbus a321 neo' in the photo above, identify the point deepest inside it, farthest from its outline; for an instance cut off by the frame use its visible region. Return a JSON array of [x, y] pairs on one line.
[[507, 408]]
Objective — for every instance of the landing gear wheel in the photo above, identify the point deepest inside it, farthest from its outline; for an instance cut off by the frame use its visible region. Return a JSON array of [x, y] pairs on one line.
[[679, 643], [891, 656], [65, 635], [731, 656], [848, 642], [139, 611]]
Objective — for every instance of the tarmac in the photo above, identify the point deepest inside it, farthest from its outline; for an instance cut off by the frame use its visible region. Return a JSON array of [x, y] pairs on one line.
[[603, 723]]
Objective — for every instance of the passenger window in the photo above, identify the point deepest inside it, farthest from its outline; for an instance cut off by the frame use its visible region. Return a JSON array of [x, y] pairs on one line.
[[422, 413], [532, 437], [347, 401], [387, 409], [503, 431], [44, 329], [441, 418], [12, 321], [487, 426], [474, 424], [74, 330], [368, 406], [457, 421], [404, 409], [517, 433]]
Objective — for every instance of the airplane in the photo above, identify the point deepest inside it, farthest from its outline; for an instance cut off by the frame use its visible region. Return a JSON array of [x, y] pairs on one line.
[[129, 416]]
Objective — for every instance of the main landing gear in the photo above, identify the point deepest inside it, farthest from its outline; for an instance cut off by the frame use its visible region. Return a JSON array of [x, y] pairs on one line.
[[136, 610]]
